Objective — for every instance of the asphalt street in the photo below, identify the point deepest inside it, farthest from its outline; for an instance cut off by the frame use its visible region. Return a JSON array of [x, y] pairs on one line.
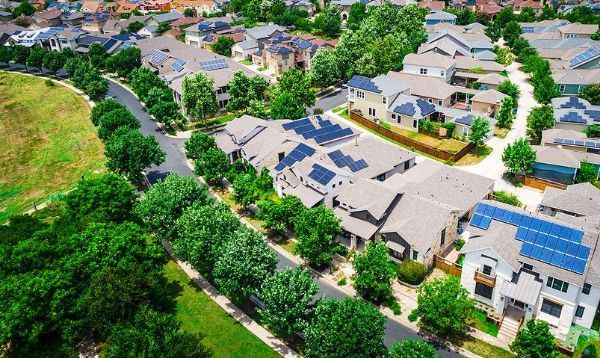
[[331, 100], [176, 162]]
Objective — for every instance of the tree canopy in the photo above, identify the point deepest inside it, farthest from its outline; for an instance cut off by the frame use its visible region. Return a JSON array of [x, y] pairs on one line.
[[519, 157], [539, 119], [535, 341], [480, 127], [316, 230], [199, 98], [197, 144], [328, 21], [223, 45], [374, 273], [592, 93], [412, 348]]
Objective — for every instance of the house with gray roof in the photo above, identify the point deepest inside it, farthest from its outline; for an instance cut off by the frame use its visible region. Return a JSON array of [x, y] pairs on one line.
[[430, 65], [561, 165], [438, 17], [532, 266], [574, 113], [577, 200], [167, 17], [261, 34]]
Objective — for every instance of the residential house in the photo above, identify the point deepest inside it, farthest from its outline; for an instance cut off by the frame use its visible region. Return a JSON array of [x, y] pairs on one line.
[[430, 64], [48, 18], [195, 34], [574, 113], [519, 5], [74, 19], [577, 30], [110, 44], [30, 38], [457, 44], [579, 200], [488, 9], [7, 30], [66, 38], [344, 7], [487, 102], [92, 6], [437, 17], [561, 165], [432, 5], [154, 5], [571, 140], [200, 7], [301, 5], [236, 34], [572, 82], [5, 16], [491, 81], [165, 18], [263, 34], [527, 266], [94, 22], [178, 26]]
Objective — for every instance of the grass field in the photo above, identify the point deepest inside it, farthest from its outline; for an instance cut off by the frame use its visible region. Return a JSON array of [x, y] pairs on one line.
[[46, 141], [222, 333]]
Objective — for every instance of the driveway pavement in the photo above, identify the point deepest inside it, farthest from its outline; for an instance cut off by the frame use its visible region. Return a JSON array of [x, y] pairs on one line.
[[331, 100], [176, 162], [492, 166]]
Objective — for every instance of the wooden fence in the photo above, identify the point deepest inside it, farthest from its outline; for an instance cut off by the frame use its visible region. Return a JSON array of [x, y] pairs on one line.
[[541, 184], [448, 266], [409, 142]]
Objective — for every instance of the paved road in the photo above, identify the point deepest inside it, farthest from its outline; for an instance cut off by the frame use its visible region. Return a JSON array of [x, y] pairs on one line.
[[331, 100], [176, 162]]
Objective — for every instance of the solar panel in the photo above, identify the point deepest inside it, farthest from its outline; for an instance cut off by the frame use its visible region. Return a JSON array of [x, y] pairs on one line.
[[407, 109], [584, 56], [568, 262], [583, 252], [561, 245], [320, 131], [569, 141], [426, 107], [531, 236], [489, 211], [547, 255], [555, 230], [558, 141], [476, 220], [536, 252], [526, 221], [516, 219], [572, 117], [480, 208], [334, 135], [579, 266], [211, 65], [526, 249], [535, 224], [546, 226], [364, 83], [485, 222], [321, 174], [572, 249], [297, 154], [521, 233], [336, 155], [295, 124], [573, 102], [157, 57], [541, 239], [557, 258], [507, 216], [551, 242]]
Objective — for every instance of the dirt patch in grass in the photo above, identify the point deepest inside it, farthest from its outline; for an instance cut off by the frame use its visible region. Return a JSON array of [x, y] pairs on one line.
[[47, 141], [447, 145]]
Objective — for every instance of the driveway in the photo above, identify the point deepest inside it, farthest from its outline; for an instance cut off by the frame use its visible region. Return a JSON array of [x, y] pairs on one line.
[[330, 100], [492, 166], [176, 162]]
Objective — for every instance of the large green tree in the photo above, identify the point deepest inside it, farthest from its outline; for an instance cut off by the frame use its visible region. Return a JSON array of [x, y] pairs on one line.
[[245, 191], [539, 119], [36, 57], [199, 97], [104, 107], [592, 93], [374, 273], [243, 89], [197, 144], [143, 80], [285, 106], [587, 173], [510, 89], [505, 115], [356, 15], [223, 45], [54, 61], [443, 307], [166, 201], [324, 70], [287, 297], [213, 165], [115, 119], [298, 85], [125, 61], [245, 263], [346, 328], [412, 348], [97, 54], [165, 112], [480, 127], [535, 341], [519, 157], [129, 152], [316, 230], [328, 21]]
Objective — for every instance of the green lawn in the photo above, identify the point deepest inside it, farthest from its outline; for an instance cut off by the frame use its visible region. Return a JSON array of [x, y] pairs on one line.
[[200, 314], [484, 349], [46, 141], [478, 321]]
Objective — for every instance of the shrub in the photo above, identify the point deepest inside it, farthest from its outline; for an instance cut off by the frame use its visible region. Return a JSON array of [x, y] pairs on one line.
[[49, 83], [450, 126], [507, 198], [476, 85], [342, 282], [411, 272], [395, 307], [459, 243]]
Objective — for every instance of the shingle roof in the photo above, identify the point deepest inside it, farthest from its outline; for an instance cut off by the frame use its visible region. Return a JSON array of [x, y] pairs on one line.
[[430, 60], [581, 199]]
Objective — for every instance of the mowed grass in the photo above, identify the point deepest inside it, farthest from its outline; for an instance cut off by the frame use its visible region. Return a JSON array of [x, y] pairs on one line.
[[222, 333], [46, 142]]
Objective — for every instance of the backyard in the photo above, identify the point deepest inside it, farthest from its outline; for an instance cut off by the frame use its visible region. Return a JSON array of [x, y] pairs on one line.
[[200, 314], [46, 145]]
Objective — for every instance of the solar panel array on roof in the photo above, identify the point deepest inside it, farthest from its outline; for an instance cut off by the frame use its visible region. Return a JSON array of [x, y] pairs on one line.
[[545, 241], [594, 114], [296, 155], [573, 102], [579, 143], [325, 132], [321, 174], [426, 107], [407, 109], [157, 57], [108, 44], [211, 65], [466, 120], [364, 83], [585, 56], [572, 117], [178, 64], [342, 160]]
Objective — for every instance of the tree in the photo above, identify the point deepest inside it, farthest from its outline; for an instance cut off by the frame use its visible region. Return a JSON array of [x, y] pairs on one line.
[[548, 13], [526, 15], [519, 45], [202, 232], [257, 109], [166, 201], [153, 334], [480, 127], [199, 98], [143, 80], [163, 27], [324, 70], [54, 61], [592, 131], [591, 93], [244, 89], [104, 107], [287, 297], [101, 198], [165, 112], [285, 106], [465, 16], [412, 348], [20, 54], [494, 32], [545, 89], [124, 61], [505, 116], [539, 119], [24, 8], [135, 26], [505, 16], [298, 85], [245, 191], [157, 95], [503, 56], [189, 12], [6, 55], [511, 32], [374, 273], [96, 89], [328, 21], [197, 144], [213, 165], [129, 152], [223, 45], [510, 89], [443, 307], [357, 13], [535, 341], [316, 230], [587, 173], [345, 328], [97, 55], [244, 265], [519, 157], [115, 119], [36, 57]]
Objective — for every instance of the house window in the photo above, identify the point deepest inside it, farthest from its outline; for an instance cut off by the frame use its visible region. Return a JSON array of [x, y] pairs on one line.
[[381, 177], [423, 71], [393, 116], [280, 156], [360, 94], [406, 165], [443, 73], [562, 88], [443, 239], [586, 289], [487, 270], [415, 123], [465, 131], [528, 267], [579, 87], [415, 255], [440, 102], [551, 308], [384, 99], [579, 311], [483, 290], [557, 284], [430, 100], [371, 111]]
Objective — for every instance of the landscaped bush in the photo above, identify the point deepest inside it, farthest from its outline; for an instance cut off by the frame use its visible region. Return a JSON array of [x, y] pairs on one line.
[[450, 126], [507, 198], [411, 272], [459, 243]]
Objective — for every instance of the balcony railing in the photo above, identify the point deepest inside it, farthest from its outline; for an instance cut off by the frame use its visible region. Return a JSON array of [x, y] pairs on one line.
[[485, 279]]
